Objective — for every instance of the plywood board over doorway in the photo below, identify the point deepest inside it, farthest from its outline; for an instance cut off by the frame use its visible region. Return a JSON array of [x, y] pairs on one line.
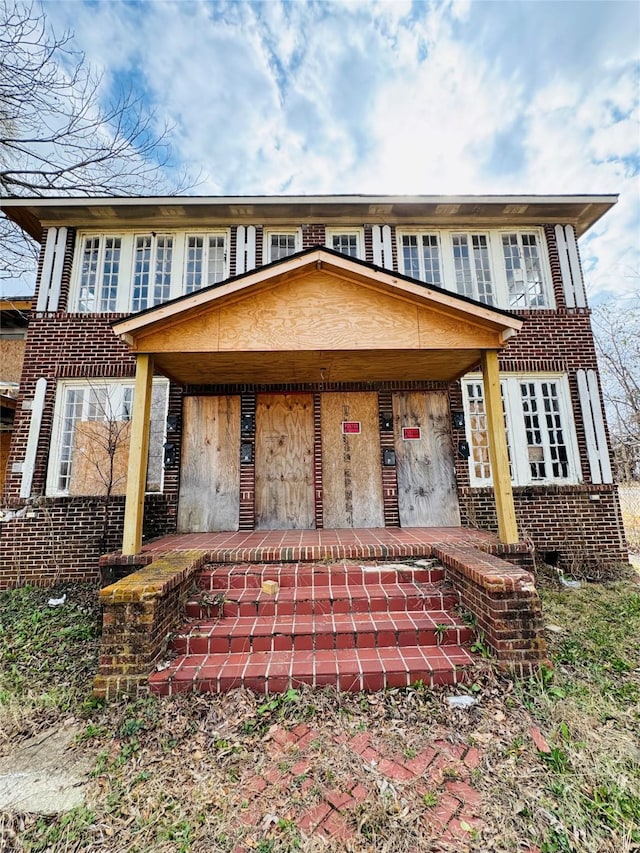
[[427, 494], [284, 462], [351, 471], [210, 470]]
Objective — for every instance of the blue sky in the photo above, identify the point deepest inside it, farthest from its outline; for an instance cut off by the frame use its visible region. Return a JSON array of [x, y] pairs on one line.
[[391, 97]]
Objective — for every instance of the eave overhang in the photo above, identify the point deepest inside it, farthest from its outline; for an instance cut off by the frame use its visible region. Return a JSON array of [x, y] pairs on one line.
[[581, 211], [317, 316]]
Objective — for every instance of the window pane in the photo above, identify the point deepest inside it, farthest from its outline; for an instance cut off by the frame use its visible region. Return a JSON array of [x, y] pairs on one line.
[[347, 244], [410, 260], [142, 266], [462, 265], [431, 259], [216, 262], [194, 264], [523, 270], [281, 246], [482, 268], [162, 280], [110, 273], [88, 274]]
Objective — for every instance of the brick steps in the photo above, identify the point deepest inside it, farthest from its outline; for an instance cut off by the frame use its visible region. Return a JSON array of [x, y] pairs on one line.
[[323, 632], [354, 627]]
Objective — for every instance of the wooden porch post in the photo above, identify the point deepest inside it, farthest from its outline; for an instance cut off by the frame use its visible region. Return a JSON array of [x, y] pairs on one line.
[[498, 454], [138, 452]]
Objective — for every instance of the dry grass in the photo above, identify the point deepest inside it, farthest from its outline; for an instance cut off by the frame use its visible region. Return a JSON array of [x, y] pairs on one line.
[[172, 775]]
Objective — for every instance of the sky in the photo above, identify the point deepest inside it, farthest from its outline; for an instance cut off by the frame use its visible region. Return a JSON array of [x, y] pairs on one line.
[[308, 97]]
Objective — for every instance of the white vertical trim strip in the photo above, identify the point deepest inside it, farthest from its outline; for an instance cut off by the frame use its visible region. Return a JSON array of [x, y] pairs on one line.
[[56, 276], [587, 420], [576, 272], [251, 248], [567, 284], [45, 278], [376, 240], [33, 438], [387, 262], [240, 249], [598, 422]]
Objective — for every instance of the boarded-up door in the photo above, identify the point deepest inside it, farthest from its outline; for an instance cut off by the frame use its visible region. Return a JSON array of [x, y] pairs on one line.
[[427, 494], [210, 470], [284, 462], [351, 471]]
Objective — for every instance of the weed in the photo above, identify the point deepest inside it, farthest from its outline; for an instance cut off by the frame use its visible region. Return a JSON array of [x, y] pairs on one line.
[[441, 630], [430, 799]]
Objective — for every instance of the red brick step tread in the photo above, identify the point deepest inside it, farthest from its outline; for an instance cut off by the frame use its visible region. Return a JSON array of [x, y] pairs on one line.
[[292, 574], [347, 669], [303, 633]]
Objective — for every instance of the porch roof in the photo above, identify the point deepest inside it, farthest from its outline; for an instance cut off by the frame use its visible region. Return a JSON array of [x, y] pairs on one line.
[[317, 316]]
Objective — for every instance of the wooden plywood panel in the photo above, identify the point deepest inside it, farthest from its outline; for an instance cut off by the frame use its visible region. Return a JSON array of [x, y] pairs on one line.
[[318, 311], [427, 494], [351, 469], [100, 458], [284, 462], [210, 470]]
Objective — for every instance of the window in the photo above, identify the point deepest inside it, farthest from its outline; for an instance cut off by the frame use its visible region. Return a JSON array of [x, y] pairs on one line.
[[99, 273], [539, 427], [347, 242], [472, 268], [421, 257], [280, 244], [92, 433], [205, 261], [508, 269], [523, 270], [151, 270]]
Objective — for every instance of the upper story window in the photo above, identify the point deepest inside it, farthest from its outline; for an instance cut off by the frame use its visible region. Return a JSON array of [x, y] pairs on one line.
[[472, 266], [205, 261], [280, 244], [508, 269], [131, 272], [523, 267], [99, 273], [347, 241], [153, 255], [421, 257], [539, 427]]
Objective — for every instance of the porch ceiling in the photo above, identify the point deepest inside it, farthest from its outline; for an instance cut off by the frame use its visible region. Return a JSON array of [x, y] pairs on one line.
[[214, 368]]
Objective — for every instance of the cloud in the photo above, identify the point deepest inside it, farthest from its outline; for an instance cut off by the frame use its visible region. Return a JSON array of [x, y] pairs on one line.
[[395, 97]]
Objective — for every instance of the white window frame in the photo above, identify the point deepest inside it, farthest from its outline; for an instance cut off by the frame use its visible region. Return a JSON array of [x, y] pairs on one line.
[[183, 249], [120, 397], [419, 236], [268, 233], [520, 463], [102, 239], [358, 233], [126, 274], [497, 264]]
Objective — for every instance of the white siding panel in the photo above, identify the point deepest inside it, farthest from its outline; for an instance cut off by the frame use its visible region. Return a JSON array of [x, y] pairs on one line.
[[589, 431], [240, 249], [598, 423], [567, 283], [250, 248], [576, 272], [47, 264], [56, 275], [376, 238], [33, 438], [387, 252]]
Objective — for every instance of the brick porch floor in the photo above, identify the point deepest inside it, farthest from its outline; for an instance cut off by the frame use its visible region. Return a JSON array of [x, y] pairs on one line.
[[301, 545]]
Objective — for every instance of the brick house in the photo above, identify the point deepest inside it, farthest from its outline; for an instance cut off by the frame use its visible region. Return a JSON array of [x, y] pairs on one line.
[[302, 363]]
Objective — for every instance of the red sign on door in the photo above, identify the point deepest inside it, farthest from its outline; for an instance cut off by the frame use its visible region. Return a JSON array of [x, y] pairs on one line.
[[411, 433], [350, 427]]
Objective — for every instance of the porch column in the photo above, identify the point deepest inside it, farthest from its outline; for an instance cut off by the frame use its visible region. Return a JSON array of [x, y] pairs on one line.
[[138, 453], [498, 454]]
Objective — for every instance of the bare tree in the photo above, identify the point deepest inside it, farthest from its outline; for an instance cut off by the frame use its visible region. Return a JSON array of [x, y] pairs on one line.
[[57, 137], [617, 330]]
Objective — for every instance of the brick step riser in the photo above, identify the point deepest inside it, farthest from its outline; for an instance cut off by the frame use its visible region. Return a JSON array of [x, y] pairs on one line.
[[320, 641], [323, 607], [218, 581], [344, 682]]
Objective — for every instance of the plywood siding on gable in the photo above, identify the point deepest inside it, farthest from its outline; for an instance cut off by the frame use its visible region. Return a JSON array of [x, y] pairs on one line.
[[316, 311]]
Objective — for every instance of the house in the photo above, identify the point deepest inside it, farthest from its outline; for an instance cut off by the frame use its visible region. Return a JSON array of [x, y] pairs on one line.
[[220, 364]]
